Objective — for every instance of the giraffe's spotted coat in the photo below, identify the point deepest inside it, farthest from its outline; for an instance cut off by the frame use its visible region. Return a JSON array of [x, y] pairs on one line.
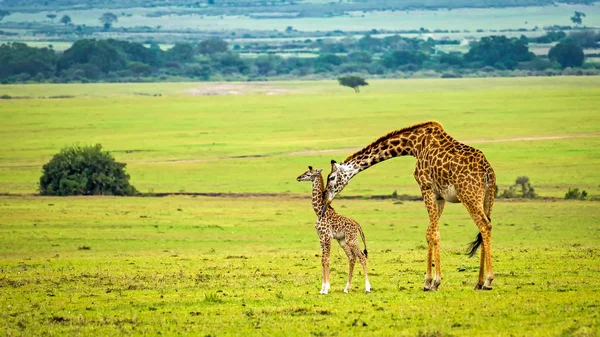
[[335, 226], [446, 170]]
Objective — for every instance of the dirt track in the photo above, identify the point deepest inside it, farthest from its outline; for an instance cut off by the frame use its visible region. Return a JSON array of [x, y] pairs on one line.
[[351, 149], [347, 150]]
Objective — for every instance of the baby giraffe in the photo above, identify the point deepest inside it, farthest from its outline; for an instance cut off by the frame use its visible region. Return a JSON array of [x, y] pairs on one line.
[[335, 226]]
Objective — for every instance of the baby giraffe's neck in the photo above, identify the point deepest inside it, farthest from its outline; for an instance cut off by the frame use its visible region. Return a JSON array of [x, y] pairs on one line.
[[318, 188]]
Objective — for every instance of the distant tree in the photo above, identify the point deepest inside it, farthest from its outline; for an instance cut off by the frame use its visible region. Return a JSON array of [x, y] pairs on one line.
[[84, 171], [65, 20], [267, 63], [181, 52], [289, 29], [398, 58], [360, 57], [586, 38], [576, 18], [353, 82], [453, 59], [18, 58], [108, 19], [51, 16], [3, 13], [329, 59], [136, 52], [369, 43], [102, 54], [499, 52], [139, 68], [211, 2], [212, 46], [567, 53]]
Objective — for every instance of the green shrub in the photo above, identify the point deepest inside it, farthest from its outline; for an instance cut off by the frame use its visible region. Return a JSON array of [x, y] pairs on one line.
[[84, 170], [526, 190], [575, 194]]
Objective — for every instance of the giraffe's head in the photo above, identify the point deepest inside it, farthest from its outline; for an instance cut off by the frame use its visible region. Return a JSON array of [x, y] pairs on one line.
[[337, 179], [309, 175]]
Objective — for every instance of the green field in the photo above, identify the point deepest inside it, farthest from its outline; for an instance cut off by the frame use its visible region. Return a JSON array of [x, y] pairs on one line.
[[250, 265], [181, 141]]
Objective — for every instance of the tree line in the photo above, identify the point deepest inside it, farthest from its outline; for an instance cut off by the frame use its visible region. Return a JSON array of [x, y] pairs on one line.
[[90, 60]]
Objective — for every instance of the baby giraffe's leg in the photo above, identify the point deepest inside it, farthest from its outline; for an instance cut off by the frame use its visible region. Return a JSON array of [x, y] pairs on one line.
[[325, 251], [351, 262], [363, 261]]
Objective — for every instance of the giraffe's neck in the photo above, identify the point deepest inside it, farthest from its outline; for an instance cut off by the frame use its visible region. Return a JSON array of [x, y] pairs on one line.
[[405, 142], [318, 188]]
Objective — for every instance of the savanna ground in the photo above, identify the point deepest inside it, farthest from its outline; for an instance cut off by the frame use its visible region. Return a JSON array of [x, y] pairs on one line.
[[250, 265]]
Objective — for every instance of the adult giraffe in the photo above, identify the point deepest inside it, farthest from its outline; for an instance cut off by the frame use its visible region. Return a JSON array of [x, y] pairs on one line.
[[446, 170]]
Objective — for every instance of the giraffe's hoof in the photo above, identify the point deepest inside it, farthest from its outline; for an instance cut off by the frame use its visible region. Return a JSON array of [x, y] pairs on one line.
[[478, 286], [346, 291], [487, 287], [435, 285], [368, 290], [427, 285]]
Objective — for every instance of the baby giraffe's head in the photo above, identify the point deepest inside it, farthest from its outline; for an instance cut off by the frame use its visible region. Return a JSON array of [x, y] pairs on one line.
[[309, 175]]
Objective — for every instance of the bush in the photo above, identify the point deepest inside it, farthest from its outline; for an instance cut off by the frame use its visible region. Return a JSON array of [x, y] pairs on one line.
[[575, 194], [522, 183], [84, 171]]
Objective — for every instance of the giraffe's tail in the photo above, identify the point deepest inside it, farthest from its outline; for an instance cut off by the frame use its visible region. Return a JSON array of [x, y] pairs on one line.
[[488, 203], [362, 235], [473, 246]]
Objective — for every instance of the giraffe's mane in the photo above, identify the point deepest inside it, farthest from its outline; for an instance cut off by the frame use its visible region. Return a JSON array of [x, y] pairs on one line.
[[321, 182], [394, 134]]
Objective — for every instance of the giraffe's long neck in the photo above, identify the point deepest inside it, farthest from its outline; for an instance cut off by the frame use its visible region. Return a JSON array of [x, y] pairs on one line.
[[405, 142], [318, 188]]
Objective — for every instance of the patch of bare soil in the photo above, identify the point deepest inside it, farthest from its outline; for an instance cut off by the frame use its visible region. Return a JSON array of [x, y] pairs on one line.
[[350, 150], [231, 88]]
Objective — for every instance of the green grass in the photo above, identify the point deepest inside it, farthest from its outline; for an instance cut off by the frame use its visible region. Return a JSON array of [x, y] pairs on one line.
[[205, 134], [251, 266]]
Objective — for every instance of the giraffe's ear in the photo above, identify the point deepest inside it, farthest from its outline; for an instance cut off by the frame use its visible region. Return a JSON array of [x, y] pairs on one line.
[[333, 162], [310, 168], [319, 170]]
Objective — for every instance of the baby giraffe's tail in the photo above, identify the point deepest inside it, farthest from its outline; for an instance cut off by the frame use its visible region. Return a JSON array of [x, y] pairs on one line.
[[362, 235]]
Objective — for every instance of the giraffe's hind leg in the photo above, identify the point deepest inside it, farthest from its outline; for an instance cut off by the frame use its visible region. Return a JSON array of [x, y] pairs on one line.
[[485, 228], [363, 261], [351, 262], [479, 285]]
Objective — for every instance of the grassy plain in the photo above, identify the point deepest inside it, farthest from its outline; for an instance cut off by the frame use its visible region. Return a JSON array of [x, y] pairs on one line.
[[251, 266], [180, 142], [224, 266]]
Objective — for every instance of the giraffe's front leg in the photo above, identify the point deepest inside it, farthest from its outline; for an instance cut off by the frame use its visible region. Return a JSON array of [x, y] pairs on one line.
[[325, 251], [432, 237]]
